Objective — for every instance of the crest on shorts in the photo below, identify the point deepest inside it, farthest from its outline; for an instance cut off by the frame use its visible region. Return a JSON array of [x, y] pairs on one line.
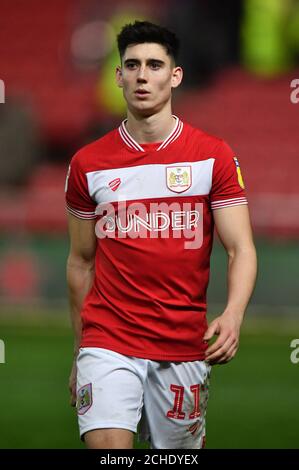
[[84, 399], [178, 178]]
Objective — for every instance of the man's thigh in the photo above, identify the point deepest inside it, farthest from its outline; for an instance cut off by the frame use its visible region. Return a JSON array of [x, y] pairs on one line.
[[109, 392], [109, 439], [175, 402]]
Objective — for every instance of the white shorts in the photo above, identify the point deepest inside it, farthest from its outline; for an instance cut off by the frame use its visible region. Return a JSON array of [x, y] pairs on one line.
[[168, 399]]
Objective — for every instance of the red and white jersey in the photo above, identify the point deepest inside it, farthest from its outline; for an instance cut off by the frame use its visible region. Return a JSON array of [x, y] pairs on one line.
[[153, 206]]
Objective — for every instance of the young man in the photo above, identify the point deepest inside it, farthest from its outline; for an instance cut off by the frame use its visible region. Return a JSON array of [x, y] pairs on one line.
[[142, 204]]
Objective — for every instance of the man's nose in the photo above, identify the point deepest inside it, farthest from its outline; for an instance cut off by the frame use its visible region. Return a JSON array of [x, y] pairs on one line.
[[141, 77]]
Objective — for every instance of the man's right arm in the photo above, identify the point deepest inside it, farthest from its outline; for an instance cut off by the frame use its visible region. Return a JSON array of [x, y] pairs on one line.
[[80, 275]]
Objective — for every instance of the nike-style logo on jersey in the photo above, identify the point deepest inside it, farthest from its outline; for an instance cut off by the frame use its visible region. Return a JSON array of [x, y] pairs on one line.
[[114, 184]]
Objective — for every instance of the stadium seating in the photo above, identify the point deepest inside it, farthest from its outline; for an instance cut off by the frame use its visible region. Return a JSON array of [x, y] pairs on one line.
[[255, 116]]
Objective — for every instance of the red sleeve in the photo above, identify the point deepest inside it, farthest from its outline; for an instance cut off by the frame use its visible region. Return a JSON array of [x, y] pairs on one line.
[[78, 201], [227, 183]]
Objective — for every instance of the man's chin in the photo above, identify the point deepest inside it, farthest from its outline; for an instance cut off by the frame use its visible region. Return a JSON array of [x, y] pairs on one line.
[[144, 109]]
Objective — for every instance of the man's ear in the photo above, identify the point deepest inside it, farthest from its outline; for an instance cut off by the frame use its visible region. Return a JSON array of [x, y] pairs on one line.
[[177, 77], [119, 77]]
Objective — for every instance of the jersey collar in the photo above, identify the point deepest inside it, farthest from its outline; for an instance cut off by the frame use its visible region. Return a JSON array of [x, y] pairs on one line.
[[130, 142]]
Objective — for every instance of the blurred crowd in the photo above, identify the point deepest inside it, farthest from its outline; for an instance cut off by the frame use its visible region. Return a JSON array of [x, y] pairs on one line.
[[60, 90]]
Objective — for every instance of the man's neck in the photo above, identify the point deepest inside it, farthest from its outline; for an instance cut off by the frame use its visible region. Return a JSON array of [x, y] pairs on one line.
[[150, 129]]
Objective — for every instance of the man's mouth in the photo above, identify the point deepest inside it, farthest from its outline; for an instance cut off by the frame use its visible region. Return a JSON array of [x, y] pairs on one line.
[[141, 92]]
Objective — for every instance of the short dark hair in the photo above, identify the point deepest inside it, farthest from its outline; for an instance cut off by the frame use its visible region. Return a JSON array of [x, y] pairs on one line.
[[144, 31]]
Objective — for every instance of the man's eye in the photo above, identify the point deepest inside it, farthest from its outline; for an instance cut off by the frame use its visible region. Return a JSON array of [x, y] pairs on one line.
[[131, 66], [156, 66]]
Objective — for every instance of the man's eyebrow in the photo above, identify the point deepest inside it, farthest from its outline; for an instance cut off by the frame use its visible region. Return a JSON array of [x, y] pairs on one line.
[[148, 61]]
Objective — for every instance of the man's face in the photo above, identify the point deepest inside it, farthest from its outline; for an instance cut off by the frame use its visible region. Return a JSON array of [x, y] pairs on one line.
[[147, 76]]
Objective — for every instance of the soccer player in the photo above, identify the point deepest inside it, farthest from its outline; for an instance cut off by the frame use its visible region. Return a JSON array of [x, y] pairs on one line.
[[143, 201]]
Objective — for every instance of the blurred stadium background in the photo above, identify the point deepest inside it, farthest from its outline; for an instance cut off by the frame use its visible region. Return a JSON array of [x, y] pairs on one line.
[[57, 63]]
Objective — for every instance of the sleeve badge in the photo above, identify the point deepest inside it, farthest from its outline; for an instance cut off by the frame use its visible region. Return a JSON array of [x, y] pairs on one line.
[[240, 179]]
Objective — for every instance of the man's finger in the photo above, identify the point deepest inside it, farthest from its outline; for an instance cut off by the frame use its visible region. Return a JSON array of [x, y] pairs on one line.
[[224, 357], [211, 331], [73, 400], [228, 356], [73, 394], [219, 348], [218, 343]]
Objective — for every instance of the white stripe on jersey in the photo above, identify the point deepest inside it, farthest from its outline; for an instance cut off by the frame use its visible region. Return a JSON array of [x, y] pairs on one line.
[[147, 181], [237, 201], [81, 214]]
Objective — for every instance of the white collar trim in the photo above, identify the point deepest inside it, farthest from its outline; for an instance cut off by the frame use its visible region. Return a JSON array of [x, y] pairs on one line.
[[130, 142]]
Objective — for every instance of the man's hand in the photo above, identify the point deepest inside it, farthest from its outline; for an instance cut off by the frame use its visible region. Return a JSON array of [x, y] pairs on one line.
[[73, 383], [227, 327]]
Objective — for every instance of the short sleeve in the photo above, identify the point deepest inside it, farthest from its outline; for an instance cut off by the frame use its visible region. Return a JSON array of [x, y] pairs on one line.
[[227, 183], [78, 200]]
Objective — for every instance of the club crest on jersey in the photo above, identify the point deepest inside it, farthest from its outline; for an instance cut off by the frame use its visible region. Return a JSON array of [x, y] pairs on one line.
[[84, 399], [240, 179], [178, 178]]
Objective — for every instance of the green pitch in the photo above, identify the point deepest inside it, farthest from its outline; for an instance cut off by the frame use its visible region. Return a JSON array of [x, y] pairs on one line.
[[253, 400]]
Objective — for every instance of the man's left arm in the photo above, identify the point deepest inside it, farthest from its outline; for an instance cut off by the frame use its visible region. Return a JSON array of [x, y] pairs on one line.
[[234, 230]]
